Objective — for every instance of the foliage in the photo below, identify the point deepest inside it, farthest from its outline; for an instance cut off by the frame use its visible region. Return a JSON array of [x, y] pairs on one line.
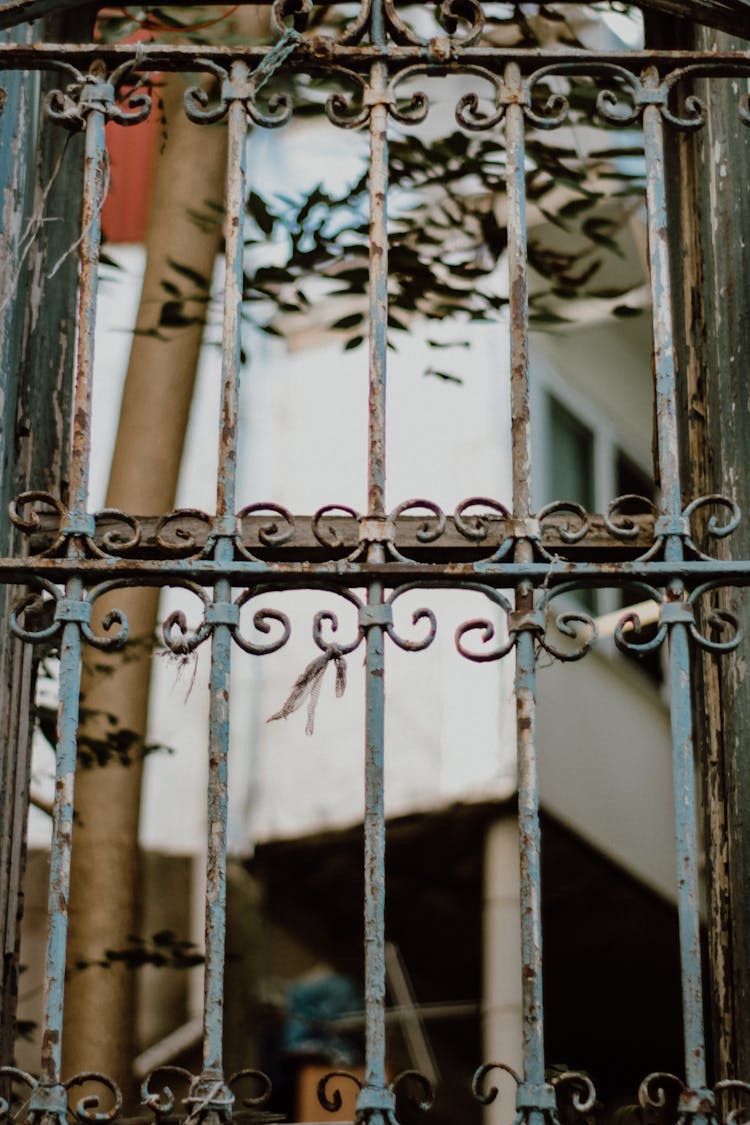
[[448, 232], [447, 227], [163, 949]]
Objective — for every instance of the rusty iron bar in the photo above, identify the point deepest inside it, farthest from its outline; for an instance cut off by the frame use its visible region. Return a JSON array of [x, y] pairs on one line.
[[50, 1096], [374, 870], [294, 575], [672, 525], [231, 341], [209, 1090], [378, 278], [533, 1095], [60, 851], [309, 54], [95, 177], [375, 1101]]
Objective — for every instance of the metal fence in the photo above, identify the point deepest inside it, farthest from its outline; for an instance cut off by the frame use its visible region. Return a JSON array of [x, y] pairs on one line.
[[503, 554]]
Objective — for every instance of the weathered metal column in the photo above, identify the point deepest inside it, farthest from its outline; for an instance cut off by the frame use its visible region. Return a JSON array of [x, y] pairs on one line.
[[38, 178], [712, 334]]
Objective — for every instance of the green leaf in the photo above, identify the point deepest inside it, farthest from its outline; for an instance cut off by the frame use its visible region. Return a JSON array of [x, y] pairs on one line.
[[446, 376], [350, 321], [258, 210], [626, 311]]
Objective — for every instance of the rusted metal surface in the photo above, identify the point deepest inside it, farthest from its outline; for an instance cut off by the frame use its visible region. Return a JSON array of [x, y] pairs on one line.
[[226, 557], [711, 336]]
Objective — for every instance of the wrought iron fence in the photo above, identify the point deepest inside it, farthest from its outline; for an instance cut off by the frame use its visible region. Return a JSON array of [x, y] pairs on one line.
[[503, 553]]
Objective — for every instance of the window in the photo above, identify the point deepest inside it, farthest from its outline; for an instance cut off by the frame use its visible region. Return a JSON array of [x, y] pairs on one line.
[[583, 461]]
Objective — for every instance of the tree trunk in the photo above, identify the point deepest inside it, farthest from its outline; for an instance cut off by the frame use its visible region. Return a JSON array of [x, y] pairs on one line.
[[99, 1023]]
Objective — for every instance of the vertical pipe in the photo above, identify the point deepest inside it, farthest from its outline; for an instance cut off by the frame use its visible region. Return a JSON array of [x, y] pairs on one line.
[[661, 305], [374, 852], [62, 831], [70, 650], [518, 296], [683, 764], [222, 610], [525, 685], [216, 863], [378, 279], [234, 232], [94, 186], [374, 825]]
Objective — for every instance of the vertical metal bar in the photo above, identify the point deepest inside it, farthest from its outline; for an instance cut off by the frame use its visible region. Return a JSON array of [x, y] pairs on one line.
[[686, 834], [216, 866], [525, 681], [679, 656], [374, 852], [62, 830], [93, 197], [518, 294], [235, 210], [70, 652], [374, 824], [378, 280], [219, 683], [661, 305]]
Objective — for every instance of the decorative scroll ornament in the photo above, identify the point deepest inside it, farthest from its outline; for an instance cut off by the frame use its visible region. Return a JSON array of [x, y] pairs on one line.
[[470, 111], [259, 1079], [478, 1088], [272, 534], [298, 11], [378, 529], [176, 533], [381, 1100], [719, 621], [87, 1109], [34, 607], [50, 1100], [418, 615], [37, 612], [241, 86], [541, 1098], [621, 104], [662, 1090], [575, 624], [182, 640], [739, 1091], [624, 527], [680, 611], [204, 1094], [181, 533], [10, 1075], [486, 628], [582, 1089], [349, 110], [81, 531], [95, 92], [621, 525], [714, 527], [161, 1101], [474, 526], [630, 627]]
